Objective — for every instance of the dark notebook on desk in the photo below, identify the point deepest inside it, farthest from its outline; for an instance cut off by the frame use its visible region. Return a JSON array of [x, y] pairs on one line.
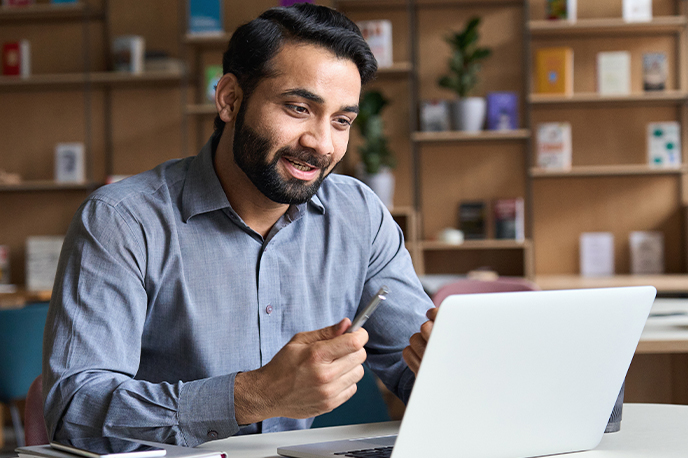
[[514, 375]]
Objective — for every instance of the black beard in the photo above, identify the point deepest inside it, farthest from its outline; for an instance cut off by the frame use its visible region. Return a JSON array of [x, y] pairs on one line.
[[250, 152]]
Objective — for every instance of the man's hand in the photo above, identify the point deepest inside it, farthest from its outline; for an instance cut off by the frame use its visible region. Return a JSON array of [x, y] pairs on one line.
[[311, 375], [413, 354]]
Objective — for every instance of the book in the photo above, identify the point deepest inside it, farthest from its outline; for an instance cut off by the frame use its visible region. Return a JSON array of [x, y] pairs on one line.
[[614, 72], [647, 252], [16, 58], [213, 73], [128, 53], [171, 451], [664, 144], [4, 265], [378, 35], [70, 164], [554, 148], [435, 115], [637, 10], [42, 255], [472, 217], [654, 71], [596, 254], [509, 219], [562, 9], [63, 2], [205, 17], [554, 71], [502, 111]]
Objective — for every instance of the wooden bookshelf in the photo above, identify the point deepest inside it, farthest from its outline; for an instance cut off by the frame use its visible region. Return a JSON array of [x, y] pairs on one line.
[[488, 244], [456, 136], [397, 68], [655, 97], [605, 171], [667, 283], [47, 185], [49, 12], [659, 24], [21, 297], [66, 80], [211, 39]]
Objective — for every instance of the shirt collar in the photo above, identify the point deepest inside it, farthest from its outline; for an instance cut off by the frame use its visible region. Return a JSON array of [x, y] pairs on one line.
[[203, 192]]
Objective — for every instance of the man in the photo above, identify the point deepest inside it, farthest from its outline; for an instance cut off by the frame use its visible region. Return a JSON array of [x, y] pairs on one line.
[[197, 300]]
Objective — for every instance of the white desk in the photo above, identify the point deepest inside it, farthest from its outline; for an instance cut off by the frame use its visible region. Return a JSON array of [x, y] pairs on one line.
[[647, 431]]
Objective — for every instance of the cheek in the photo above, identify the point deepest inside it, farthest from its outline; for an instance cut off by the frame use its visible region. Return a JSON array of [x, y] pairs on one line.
[[341, 142]]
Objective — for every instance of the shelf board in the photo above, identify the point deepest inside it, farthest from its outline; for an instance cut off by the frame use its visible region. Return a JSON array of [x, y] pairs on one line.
[[659, 24], [402, 211], [21, 297], [673, 97], [201, 109], [488, 244], [369, 4], [457, 136], [61, 80], [667, 283], [47, 185], [207, 39], [48, 12], [605, 170], [397, 68]]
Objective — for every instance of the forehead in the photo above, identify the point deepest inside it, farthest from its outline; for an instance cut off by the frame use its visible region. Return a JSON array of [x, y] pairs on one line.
[[317, 69]]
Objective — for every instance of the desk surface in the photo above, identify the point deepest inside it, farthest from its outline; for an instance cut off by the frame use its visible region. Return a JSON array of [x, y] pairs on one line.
[[667, 330], [647, 431]]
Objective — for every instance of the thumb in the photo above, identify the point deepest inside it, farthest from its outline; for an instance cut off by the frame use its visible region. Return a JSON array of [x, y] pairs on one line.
[[327, 333]]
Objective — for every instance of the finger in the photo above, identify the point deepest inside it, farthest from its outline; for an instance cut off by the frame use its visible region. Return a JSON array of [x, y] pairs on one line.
[[418, 343], [328, 351], [432, 313], [412, 360], [426, 330], [327, 333]]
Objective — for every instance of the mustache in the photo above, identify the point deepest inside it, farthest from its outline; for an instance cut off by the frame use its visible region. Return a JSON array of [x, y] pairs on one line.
[[305, 155]]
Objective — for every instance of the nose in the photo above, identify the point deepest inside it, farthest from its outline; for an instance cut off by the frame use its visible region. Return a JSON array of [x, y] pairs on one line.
[[318, 137]]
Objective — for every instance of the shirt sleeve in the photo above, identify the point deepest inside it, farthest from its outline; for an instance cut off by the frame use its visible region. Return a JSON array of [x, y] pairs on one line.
[[92, 345], [402, 314]]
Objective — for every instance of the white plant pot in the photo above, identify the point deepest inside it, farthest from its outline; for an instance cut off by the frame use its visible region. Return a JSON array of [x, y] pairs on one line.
[[469, 114], [382, 184]]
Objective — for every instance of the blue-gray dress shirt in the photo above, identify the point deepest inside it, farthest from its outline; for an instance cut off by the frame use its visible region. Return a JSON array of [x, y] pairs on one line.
[[163, 294]]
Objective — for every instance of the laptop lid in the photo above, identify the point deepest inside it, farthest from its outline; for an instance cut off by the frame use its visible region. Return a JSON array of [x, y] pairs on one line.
[[518, 374]]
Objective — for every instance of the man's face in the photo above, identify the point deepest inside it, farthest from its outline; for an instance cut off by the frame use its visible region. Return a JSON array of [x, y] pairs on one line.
[[295, 127]]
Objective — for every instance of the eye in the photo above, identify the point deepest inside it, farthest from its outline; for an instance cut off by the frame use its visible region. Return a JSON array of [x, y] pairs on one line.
[[343, 122], [297, 108]]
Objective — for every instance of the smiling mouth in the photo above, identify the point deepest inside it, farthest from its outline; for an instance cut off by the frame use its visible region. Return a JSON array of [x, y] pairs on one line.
[[300, 165]]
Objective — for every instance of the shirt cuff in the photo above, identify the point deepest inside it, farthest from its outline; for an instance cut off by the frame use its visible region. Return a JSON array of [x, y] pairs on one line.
[[206, 410]]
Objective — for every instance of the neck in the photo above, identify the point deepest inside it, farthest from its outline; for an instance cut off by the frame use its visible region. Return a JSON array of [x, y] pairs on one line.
[[257, 211]]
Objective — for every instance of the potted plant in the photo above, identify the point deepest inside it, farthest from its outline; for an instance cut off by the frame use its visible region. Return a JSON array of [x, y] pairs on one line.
[[464, 65], [377, 160]]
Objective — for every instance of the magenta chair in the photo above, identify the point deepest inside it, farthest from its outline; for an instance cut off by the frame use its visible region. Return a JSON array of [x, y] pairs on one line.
[[35, 432], [471, 286]]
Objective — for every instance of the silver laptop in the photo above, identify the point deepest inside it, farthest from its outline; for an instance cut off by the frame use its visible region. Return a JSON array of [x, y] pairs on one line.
[[515, 375]]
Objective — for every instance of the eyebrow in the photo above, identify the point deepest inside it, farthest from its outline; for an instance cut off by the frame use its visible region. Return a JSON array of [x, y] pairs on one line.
[[308, 95]]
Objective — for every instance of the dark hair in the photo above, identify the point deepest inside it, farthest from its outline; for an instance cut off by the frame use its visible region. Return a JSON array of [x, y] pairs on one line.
[[255, 43]]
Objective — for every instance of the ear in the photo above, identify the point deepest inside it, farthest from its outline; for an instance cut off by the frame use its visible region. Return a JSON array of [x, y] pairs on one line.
[[228, 97]]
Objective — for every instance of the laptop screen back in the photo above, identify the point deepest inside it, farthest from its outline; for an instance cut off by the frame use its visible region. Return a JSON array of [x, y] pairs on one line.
[[522, 374]]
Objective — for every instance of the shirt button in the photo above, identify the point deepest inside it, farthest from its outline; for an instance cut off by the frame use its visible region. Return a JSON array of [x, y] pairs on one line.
[[268, 309], [212, 434]]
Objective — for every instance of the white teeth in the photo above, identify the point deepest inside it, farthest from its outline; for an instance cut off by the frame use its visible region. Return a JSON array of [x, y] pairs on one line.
[[301, 167]]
